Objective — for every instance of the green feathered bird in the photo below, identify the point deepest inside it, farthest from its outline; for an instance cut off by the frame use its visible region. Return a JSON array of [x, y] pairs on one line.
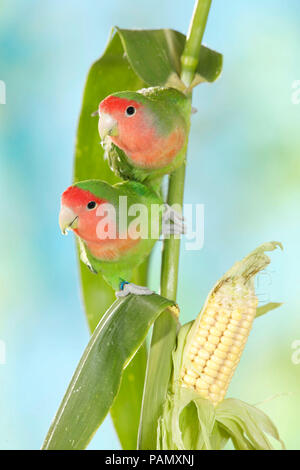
[[117, 227], [145, 133]]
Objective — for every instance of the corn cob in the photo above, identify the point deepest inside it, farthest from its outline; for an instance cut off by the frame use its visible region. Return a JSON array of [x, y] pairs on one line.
[[218, 336], [219, 339]]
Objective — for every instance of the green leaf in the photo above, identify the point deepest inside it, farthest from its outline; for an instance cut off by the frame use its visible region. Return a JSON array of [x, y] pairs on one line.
[[246, 425], [219, 437], [190, 427], [263, 421], [109, 74], [155, 57], [126, 412], [206, 416], [209, 66], [158, 376], [95, 383], [196, 418], [235, 432], [266, 308]]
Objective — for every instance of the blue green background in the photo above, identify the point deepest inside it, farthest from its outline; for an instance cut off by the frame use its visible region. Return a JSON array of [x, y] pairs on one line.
[[243, 164]]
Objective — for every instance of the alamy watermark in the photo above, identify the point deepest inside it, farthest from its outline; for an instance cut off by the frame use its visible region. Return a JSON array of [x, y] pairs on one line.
[[2, 92], [140, 221]]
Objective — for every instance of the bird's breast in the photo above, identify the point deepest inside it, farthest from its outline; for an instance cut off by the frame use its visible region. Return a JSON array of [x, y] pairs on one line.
[[112, 249], [146, 150]]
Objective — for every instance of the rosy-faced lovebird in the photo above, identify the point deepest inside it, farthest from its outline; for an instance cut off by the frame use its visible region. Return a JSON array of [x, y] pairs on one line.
[[144, 133], [116, 226]]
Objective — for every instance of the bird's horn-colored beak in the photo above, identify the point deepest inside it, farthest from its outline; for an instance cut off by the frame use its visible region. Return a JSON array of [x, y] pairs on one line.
[[107, 125], [67, 219]]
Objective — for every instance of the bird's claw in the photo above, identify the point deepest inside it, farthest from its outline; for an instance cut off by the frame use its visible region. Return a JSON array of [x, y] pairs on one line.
[[130, 288]]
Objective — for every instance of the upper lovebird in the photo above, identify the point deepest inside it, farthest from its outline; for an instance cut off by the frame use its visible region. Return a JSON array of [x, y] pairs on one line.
[[145, 133], [117, 226]]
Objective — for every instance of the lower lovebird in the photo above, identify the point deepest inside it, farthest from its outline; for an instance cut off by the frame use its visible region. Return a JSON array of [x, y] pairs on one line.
[[144, 133], [117, 227]]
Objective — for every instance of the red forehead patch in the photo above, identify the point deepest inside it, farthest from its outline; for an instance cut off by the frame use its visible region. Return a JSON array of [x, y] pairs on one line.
[[74, 196], [115, 103]]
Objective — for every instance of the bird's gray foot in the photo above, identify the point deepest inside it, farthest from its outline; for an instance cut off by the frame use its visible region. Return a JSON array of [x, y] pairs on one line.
[[130, 288]]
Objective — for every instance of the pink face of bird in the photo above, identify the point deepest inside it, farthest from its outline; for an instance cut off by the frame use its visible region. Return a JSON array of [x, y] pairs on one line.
[[126, 123], [79, 213]]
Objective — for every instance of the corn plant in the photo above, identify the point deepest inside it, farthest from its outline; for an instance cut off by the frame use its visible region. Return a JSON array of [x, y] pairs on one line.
[[170, 394]]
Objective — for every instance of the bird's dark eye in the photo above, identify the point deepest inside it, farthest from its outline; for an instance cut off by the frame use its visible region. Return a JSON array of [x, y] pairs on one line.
[[130, 111], [91, 205]]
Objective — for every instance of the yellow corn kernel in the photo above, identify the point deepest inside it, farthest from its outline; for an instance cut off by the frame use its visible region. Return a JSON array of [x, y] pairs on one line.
[[193, 350], [189, 380], [200, 384], [237, 315], [223, 319], [207, 379], [217, 360], [228, 333], [214, 397], [224, 377], [225, 370], [212, 364], [192, 373], [220, 354], [213, 339], [226, 341], [223, 347], [199, 361], [221, 325], [229, 363], [210, 372], [215, 388], [232, 357], [216, 331], [203, 332], [210, 347], [203, 354], [201, 340]]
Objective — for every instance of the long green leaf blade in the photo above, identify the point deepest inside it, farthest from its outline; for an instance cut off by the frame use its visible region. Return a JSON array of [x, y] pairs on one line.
[[126, 412], [95, 383], [157, 381]]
